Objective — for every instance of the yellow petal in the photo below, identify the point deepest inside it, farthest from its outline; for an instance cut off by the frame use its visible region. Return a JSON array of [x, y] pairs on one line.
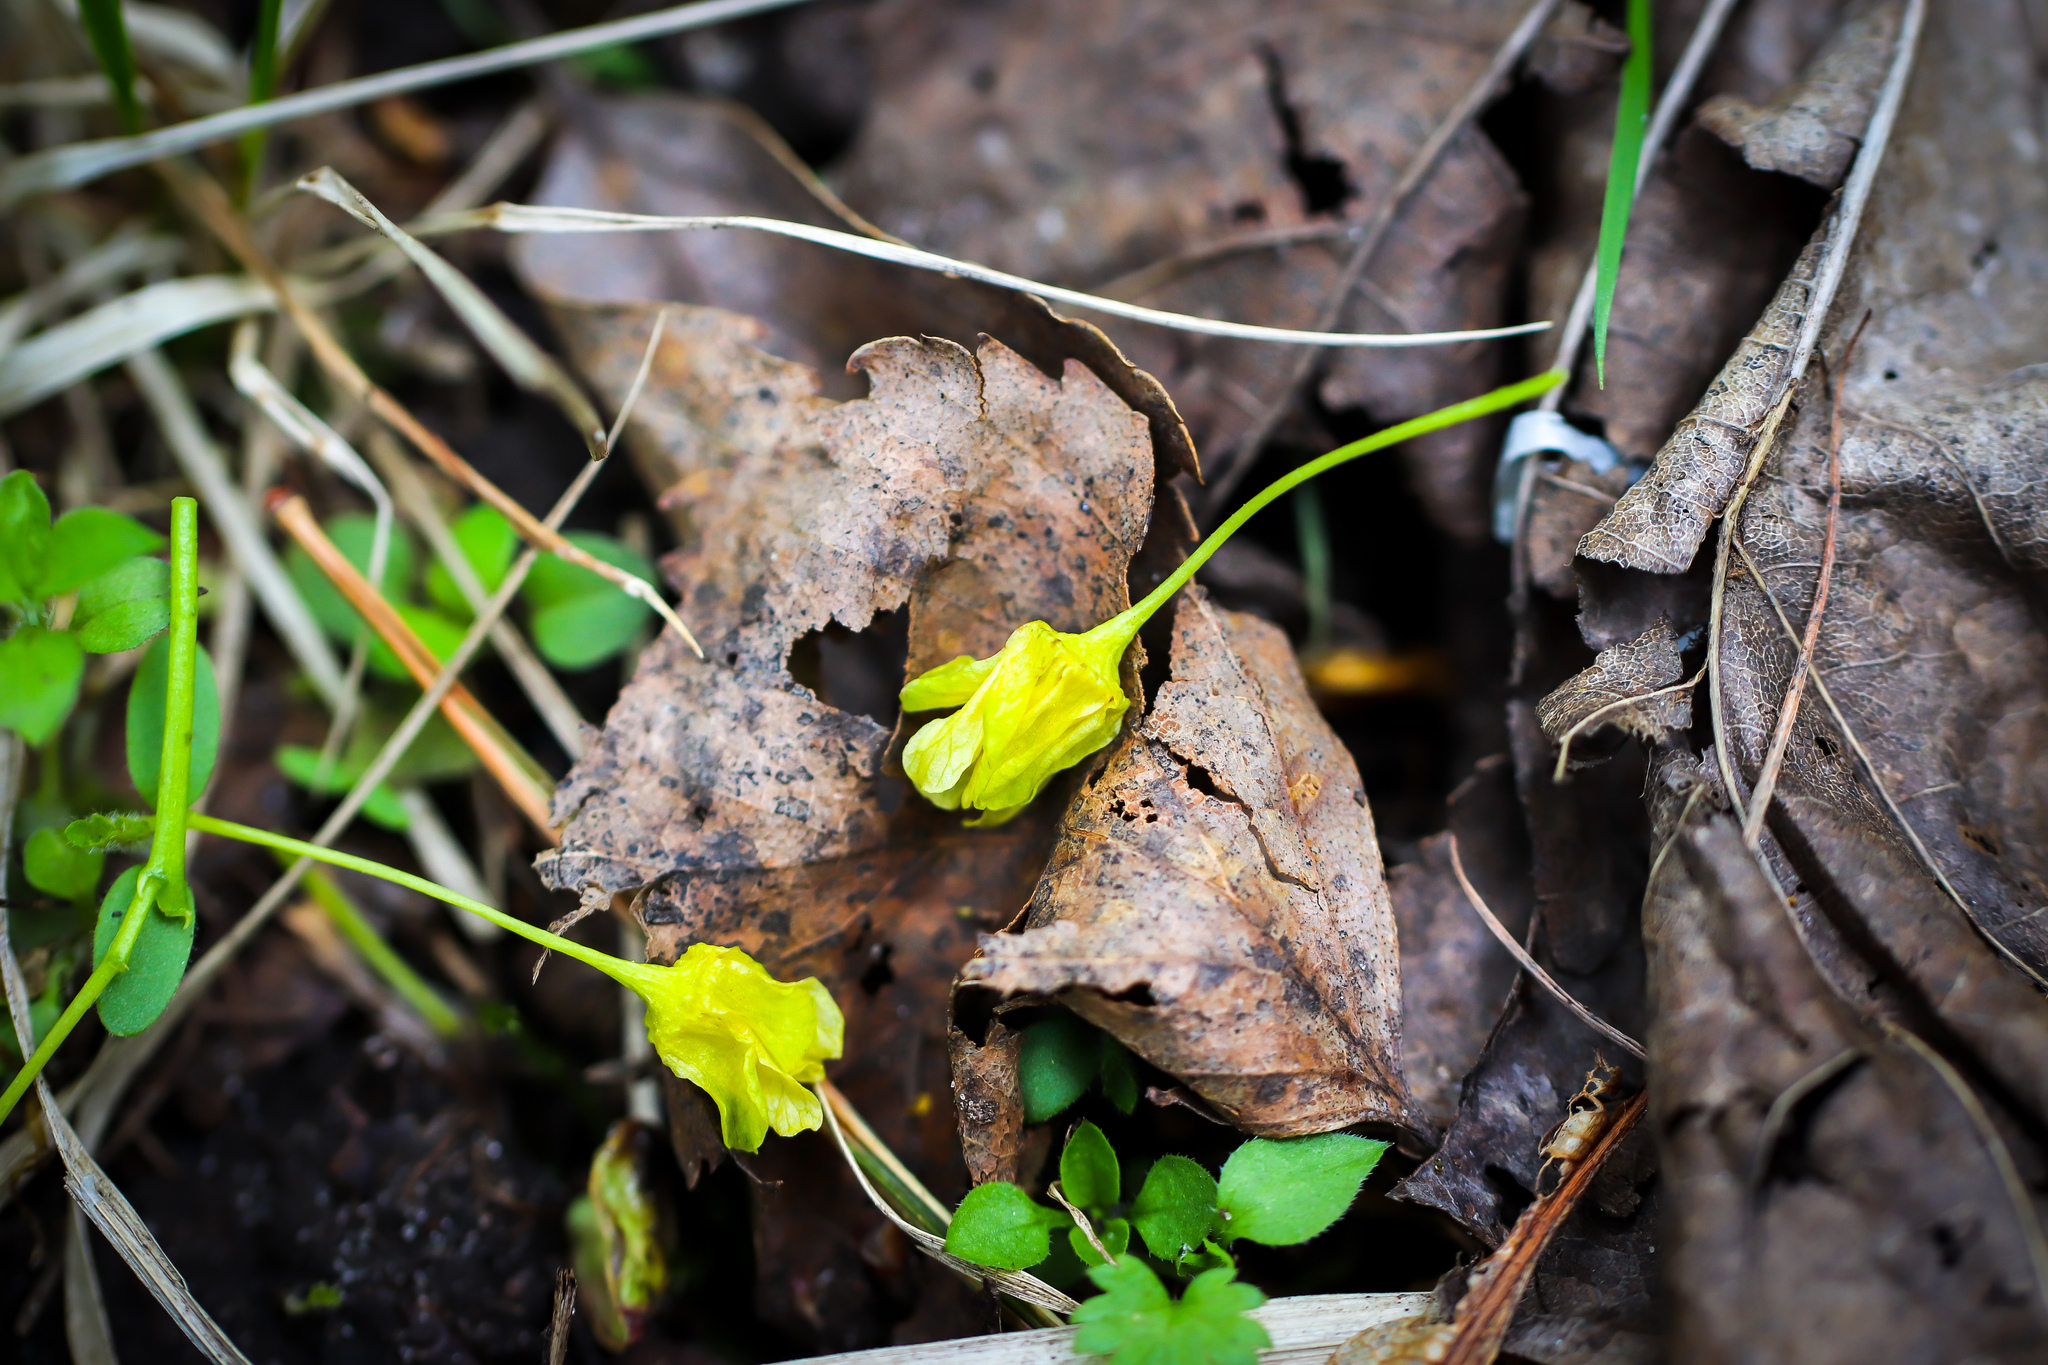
[[950, 684]]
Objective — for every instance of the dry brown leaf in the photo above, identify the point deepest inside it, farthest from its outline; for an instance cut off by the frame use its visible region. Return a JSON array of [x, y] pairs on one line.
[[1627, 689], [1215, 899], [1566, 501], [1078, 162], [1812, 129]]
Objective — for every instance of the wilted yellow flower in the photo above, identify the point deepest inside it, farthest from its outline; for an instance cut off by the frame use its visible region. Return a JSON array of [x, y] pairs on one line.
[[750, 1042], [1042, 704]]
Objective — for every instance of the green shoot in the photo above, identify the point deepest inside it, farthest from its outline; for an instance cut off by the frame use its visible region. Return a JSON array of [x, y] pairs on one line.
[[262, 85], [1631, 123], [107, 29]]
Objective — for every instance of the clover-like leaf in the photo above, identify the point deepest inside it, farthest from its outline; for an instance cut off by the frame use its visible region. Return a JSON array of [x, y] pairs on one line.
[[1134, 1322], [1175, 1208], [133, 1000], [488, 542], [1285, 1191]]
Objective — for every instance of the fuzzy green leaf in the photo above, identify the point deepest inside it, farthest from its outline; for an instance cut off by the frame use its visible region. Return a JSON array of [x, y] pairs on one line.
[[998, 1225], [134, 999], [1059, 1059], [1281, 1192], [1115, 1236], [87, 542], [1134, 1322], [1175, 1207], [53, 865], [109, 829], [39, 675], [1088, 1173], [1631, 125], [146, 721]]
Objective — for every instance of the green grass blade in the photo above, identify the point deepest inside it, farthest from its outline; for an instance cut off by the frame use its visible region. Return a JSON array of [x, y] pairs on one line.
[[262, 85], [107, 29], [1631, 122]]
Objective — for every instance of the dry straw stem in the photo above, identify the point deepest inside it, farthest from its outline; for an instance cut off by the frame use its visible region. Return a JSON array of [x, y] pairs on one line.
[[1413, 176], [210, 203], [1530, 965], [523, 781], [1497, 1284]]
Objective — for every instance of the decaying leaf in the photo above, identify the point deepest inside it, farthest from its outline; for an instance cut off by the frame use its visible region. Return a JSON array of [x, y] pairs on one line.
[[1079, 164], [1811, 129], [1629, 687], [1215, 899]]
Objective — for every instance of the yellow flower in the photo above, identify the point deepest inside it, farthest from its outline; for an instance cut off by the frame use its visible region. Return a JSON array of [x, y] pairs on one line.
[[1042, 704], [750, 1042]]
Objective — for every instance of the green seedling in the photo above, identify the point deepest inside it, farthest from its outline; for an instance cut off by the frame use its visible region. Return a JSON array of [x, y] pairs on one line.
[[1047, 699], [119, 599], [1631, 126], [1278, 1192]]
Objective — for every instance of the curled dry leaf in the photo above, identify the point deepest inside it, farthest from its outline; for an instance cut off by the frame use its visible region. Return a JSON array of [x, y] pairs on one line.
[[1628, 688], [1240, 119], [1216, 901]]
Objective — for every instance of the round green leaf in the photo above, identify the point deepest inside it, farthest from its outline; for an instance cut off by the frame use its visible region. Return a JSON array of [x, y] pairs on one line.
[[1059, 1059], [1287, 1191], [1088, 1173], [24, 537], [998, 1225], [56, 867], [88, 541], [125, 624], [146, 721], [579, 617], [134, 999], [39, 674], [1175, 1207], [488, 542]]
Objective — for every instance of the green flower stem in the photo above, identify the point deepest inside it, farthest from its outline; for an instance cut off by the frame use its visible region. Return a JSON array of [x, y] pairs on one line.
[[1126, 624], [632, 974], [362, 935], [163, 877]]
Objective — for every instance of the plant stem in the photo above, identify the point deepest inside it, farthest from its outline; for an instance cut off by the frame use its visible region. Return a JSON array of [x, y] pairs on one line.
[[107, 28], [262, 85], [362, 935], [111, 966], [1127, 623], [627, 973]]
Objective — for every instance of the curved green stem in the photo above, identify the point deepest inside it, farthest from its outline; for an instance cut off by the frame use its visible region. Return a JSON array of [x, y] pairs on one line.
[[111, 966], [620, 970], [1127, 623]]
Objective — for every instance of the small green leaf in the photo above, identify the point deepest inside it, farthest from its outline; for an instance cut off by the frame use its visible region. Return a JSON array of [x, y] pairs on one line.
[[125, 625], [1135, 1323], [488, 542], [146, 720], [1624, 164], [109, 829], [88, 541], [1286, 1191], [302, 765], [53, 865], [1060, 1057], [1175, 1207], [24, 537], [998, 1225], [579, 618], [134, 999], [39, 675], [131, 581], [1088, 1173], [1115, 1236], [352, 534], [1119, 1074]]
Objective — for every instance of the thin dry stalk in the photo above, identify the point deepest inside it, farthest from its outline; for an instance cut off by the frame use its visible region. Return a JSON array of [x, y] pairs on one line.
[[1238, 462], [1774, 760], [500, 754], [1530, 965], [1081, 1221]]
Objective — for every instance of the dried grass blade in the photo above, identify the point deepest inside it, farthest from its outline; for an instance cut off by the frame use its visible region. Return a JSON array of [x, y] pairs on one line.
[[127, 250], [530, 367], [539, 218], [87, 1330]]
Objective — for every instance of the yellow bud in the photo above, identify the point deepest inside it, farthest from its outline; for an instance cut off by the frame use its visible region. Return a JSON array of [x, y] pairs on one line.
[[1041, 705], [752, 1043]]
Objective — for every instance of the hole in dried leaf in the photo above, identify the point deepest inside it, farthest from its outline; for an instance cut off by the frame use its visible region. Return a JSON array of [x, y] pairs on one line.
[[879, 973], [1139, 995], [855, 671], [1324, 186], [1199, 779]]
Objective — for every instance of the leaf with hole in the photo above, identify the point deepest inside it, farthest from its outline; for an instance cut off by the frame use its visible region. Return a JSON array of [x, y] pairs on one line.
[[1281, 1192], [53, 865], [134, 999], [39, 675], [146, 721]]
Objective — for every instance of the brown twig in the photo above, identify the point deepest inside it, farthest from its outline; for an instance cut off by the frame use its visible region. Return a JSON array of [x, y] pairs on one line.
[[1238, 462], [565, 1309], [1774, 759], [1529, 964], [1497, 1283], [521, 778]]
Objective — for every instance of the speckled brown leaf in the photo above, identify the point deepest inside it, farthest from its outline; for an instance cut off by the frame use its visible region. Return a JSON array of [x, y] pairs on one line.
[[1216, 900], [1095, 139], [1627, 689]]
